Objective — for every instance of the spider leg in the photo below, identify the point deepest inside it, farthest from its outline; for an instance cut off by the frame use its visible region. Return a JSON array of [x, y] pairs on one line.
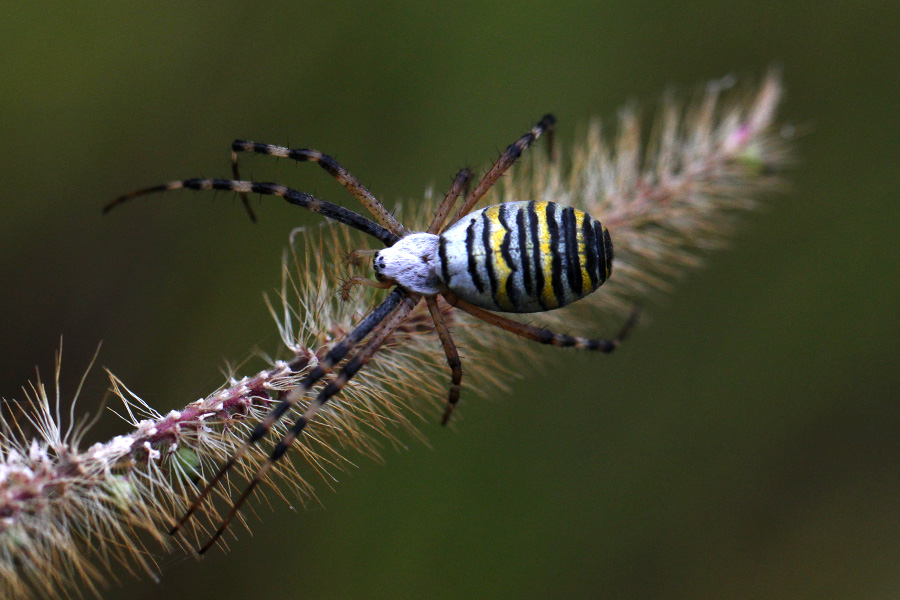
[[354, 281], [502, 165], [326, 209], [452, 356], [245, 199], [551, 146], [545, 336], [334, 356], [356, 257], [389, 324], [460, 186], [359, 191]]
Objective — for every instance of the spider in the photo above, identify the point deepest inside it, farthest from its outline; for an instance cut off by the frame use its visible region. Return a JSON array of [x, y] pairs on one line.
[[522, 257]]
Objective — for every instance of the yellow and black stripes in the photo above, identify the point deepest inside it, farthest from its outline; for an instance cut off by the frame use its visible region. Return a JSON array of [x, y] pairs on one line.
[[525, 256]]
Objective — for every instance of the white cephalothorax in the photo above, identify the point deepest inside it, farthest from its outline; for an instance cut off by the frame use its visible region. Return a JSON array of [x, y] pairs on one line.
[[412, 263]]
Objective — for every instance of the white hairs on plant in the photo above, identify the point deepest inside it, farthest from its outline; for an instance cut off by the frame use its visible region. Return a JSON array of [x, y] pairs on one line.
[[68, 514]]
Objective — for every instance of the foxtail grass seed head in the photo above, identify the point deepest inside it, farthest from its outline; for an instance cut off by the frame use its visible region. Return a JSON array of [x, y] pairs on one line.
[[71, 515]]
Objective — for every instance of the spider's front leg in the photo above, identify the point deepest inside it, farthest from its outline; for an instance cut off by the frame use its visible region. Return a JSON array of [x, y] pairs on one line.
[[388, 321], [332, 167], [295, 197], [338, 352]]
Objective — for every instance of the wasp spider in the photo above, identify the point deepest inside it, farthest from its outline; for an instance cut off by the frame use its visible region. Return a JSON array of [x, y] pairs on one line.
[[518, 257]]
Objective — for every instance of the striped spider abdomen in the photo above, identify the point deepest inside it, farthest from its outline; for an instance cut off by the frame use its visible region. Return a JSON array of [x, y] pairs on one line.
[[525, 256]]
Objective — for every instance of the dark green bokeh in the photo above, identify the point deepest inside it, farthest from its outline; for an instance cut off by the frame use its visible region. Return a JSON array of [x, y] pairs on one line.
[[745, 445]]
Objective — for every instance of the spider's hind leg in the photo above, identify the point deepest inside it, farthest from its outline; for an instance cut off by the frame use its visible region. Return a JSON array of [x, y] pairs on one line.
[[545, 336]]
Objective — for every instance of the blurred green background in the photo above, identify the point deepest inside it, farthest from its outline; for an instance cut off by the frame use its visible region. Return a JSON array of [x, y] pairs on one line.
[[745, 445]]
